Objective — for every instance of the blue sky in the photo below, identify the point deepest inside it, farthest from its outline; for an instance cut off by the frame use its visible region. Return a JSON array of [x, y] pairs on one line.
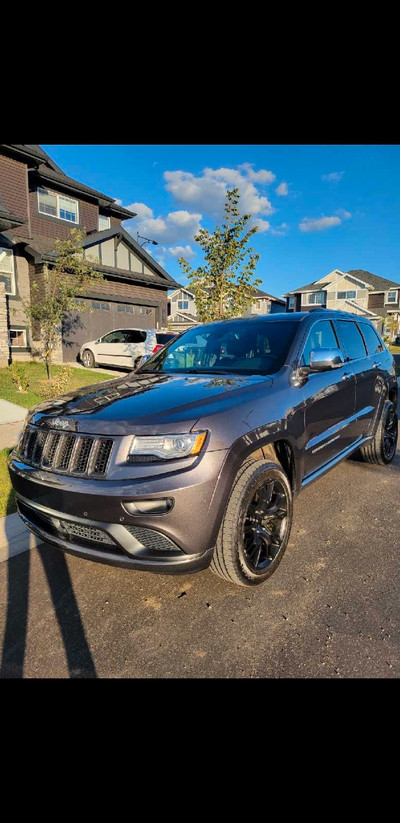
[[317, 207]]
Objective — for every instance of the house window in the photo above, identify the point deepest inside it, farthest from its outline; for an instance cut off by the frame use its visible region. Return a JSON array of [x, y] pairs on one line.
[[391, 296], [57, 205], [104, 222], [317, 297], [7, 270], [128, 309], [143, 310], [17, 338], [291, 303], [183, 304], [346, 295], [104, 306]]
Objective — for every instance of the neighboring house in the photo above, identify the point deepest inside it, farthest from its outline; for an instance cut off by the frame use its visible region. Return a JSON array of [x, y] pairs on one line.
[[265, 303], [39, 203], [357, 291], [183, 315]]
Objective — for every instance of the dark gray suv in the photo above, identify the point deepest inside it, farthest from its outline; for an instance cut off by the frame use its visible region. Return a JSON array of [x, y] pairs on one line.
[[195, 459]]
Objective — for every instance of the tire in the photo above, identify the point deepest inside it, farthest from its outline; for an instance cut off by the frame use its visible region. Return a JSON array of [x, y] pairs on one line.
[[235, 555], [88, 359], [382, 449]]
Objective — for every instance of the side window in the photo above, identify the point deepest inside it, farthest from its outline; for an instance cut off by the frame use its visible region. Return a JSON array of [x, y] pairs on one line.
[[321, 336], [135, 336], [352, 341], [115, 337], [374, 344]]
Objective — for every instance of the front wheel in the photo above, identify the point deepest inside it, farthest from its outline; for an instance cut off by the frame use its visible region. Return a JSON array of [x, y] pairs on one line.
[[256, 526], [382, 449], [88, 359]]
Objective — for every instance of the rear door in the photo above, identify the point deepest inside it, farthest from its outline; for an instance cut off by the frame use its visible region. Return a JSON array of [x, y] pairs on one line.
[[329, 402], [356, 355], [133, 346]]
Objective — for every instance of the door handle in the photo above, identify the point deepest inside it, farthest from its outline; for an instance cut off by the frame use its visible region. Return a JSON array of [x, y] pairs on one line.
[[346, 375], [375, 365]]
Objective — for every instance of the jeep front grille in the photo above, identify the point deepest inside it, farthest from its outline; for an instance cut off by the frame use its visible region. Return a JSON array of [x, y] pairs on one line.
[[65, 452]]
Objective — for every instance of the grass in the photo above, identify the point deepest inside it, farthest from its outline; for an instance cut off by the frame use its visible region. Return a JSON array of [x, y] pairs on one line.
[[7, 496], [394, 349], [35, 373]]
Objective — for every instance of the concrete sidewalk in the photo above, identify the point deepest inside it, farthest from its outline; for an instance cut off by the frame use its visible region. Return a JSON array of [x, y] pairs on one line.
[[10, 412], [11, 423]]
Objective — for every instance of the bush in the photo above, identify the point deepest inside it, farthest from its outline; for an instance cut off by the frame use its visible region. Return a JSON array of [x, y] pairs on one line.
[[58, 385], [19, 377]]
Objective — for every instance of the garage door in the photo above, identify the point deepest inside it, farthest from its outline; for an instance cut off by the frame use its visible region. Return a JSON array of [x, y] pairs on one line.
[[100, 317]]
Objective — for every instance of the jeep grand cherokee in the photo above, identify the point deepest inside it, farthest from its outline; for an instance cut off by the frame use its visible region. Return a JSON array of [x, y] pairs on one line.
[[195, 458]]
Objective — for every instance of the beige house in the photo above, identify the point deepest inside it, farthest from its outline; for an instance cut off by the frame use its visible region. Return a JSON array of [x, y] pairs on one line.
[[357, 291], [183, 315]]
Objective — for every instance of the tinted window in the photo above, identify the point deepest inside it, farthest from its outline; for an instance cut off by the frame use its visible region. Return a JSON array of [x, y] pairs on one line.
[[135, 336], [352, 341], [164, 338], [237, 346], [374, 344], [321, 336]]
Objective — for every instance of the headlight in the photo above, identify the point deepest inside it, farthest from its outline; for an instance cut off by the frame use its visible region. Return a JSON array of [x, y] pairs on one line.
[[166, 446]]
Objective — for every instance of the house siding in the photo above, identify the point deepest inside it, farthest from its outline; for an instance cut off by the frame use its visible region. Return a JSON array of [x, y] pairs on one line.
[[115, 289], [376, 301], [13, 186]]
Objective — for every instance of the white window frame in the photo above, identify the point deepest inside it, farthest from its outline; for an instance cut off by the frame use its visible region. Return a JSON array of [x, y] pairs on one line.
[[57, 216], [346, 294], [10, 274], [25, 344], [314, 302], [291, 303], [391, 302], [182, 307], [104, 217]]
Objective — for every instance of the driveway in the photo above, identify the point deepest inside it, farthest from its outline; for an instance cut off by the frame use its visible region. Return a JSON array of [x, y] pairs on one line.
[[330, 610]]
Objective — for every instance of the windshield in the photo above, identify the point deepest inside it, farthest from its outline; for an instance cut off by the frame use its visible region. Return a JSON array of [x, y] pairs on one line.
[[242, 347]]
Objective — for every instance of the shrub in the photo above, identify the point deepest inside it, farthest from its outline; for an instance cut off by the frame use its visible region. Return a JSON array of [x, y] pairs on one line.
[[58, 385], [19, 377]]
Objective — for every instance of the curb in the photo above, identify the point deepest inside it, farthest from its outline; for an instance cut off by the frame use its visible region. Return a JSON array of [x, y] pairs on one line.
[[15, 538]]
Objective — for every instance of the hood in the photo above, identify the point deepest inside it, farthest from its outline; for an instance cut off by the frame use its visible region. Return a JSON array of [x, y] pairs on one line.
[[151, 402]]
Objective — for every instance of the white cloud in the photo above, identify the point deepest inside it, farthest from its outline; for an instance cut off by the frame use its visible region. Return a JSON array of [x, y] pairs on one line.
[[118, 202], [345, 215], [279, 231], [207, 192], [176, 227], [282, 189], [318, 224], [182, 251], [333, 176]]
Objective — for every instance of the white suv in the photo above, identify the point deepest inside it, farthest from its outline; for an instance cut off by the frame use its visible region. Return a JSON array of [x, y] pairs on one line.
[[121, 347]]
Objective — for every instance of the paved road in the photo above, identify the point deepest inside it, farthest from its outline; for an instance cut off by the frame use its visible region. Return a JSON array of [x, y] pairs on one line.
[[331, 609]]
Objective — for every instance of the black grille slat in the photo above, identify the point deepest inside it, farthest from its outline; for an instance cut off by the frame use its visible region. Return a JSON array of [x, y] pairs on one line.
[[64, 452], [100, 461], [82, 456]]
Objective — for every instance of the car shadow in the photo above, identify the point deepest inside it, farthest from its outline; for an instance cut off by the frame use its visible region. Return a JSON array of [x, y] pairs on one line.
[[79, 658]]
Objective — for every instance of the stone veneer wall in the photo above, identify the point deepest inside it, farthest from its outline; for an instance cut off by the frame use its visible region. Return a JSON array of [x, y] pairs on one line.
[[4, 350]]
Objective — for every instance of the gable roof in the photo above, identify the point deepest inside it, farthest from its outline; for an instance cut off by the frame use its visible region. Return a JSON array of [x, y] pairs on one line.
[[181, 288], [374, 281], [259, 294], [43, 248]]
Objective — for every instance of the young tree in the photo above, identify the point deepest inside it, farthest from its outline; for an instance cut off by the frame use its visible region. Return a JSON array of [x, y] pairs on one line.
[[224, 286], [54, 293], [391, 325]]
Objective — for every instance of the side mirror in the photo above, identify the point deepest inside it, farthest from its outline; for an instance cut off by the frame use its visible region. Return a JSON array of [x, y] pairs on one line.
[[326, 360]]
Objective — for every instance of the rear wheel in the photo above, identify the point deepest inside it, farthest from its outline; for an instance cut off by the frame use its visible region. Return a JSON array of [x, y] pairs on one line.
[[88, 359], [256, 526], [382, 449]]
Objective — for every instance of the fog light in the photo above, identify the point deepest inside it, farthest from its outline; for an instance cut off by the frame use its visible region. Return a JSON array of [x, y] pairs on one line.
[[160, 506]]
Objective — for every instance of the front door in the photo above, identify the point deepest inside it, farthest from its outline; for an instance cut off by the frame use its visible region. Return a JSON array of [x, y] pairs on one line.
[[329, 399]]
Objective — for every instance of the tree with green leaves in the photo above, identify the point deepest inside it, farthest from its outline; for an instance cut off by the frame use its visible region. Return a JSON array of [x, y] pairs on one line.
[[391, 325], [224, 286], [54, 292]]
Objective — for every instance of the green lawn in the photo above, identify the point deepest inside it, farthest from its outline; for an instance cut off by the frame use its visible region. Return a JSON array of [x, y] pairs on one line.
[[394, 349], [37, 372], [8, 391], [7, 498]]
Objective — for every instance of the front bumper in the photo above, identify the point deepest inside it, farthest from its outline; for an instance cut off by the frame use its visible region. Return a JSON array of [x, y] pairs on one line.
[[65, 511]]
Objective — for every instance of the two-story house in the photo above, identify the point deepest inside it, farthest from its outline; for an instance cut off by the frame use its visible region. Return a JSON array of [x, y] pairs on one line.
[[39, 203], [357, 291], [183, 315]]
